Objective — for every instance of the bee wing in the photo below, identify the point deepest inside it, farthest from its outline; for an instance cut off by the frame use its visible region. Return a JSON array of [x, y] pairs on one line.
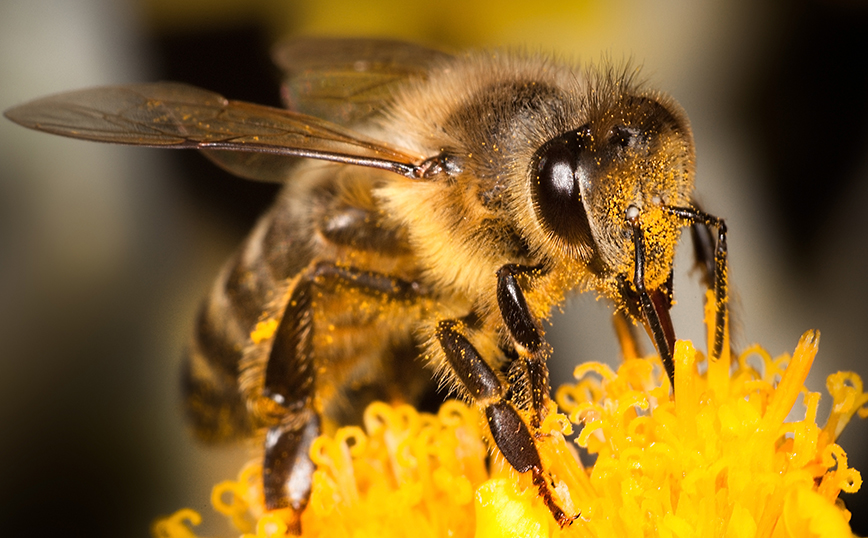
[[173, 115], [348, 80]]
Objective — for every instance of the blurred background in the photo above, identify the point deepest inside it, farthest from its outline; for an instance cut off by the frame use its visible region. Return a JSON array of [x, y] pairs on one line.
[[106, 251]]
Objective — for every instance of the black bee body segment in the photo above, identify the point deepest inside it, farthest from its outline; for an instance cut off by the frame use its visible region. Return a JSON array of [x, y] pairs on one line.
[[512, 436], [477, 376], [357, 228], [513, 308], [289, 373]]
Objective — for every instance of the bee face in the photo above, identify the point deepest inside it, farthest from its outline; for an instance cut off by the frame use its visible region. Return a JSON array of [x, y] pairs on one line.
[[634, 152], [463, 198]]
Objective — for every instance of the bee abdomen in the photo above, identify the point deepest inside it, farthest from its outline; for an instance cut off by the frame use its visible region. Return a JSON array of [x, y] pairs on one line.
[[242, 296], [215, 408]]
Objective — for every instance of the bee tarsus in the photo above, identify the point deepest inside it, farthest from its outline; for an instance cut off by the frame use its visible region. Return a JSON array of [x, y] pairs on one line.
[[287, 466], [545, 491]]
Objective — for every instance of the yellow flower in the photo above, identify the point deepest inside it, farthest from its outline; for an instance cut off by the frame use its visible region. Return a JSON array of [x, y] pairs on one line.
[[721, 459]]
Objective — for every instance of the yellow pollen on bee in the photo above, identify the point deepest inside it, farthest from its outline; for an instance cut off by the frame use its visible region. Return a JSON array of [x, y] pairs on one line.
[[263, 331]]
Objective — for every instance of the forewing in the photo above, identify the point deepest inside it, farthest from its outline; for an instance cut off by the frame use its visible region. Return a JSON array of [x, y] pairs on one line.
[[174, 115], [348, 80]]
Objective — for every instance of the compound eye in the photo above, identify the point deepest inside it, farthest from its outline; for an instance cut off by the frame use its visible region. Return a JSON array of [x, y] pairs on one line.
[[556, 194]]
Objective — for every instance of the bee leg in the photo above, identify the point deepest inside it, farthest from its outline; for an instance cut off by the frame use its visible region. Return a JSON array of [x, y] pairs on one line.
[[289, 382], [525, 332], [513, 307], [702, 220], [370, 281], [508, 430], [703, 251], [287, 468], [530, 367], [712, 257]]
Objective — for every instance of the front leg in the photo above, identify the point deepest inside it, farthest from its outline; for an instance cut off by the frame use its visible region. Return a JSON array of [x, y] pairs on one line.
[[530, 366], [509, 432], [714, 262]]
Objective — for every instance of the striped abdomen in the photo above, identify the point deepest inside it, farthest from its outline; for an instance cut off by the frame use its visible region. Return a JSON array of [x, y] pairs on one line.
[[240, 297]]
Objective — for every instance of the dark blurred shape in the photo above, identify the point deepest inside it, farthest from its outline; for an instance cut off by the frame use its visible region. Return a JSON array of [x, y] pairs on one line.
[[811, 116], [68, 472], [234, 62], [812, 119], [78, 467]]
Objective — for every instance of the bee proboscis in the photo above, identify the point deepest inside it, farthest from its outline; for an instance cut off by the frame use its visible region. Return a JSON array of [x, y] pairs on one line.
[[436, 209]]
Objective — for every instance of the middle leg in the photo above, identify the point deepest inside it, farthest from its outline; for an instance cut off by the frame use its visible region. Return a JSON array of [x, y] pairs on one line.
[[508, 429], [525, 393]]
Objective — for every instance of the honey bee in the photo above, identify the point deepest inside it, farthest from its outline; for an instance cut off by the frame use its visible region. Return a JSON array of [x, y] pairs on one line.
[[436, 209]]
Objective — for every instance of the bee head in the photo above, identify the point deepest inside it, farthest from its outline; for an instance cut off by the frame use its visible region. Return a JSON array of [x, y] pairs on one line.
[[590, 184]]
